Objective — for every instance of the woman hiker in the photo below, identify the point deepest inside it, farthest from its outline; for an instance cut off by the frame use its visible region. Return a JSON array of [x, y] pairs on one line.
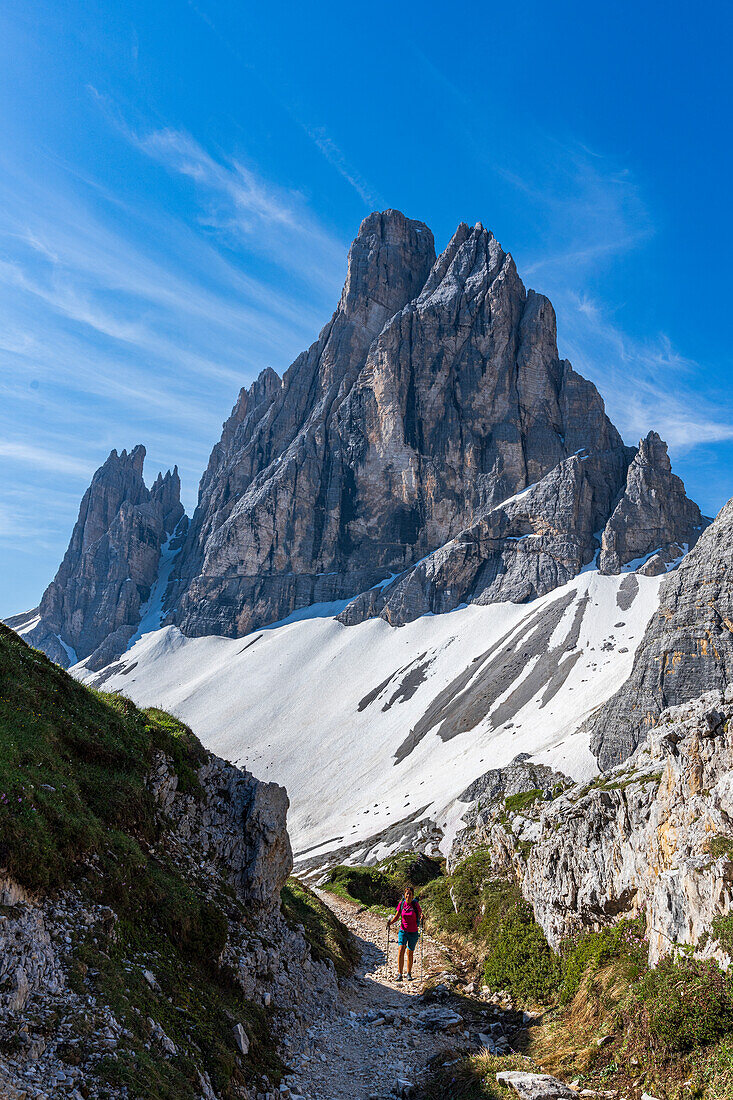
[[410, 918]]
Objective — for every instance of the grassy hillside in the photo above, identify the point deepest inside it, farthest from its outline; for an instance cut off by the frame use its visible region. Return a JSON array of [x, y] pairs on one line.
[[327, 937], [75, 811]]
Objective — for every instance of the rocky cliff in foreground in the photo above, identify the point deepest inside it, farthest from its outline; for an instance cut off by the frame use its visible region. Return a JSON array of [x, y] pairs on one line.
[[652, 837], [93, 605], [143, 951]]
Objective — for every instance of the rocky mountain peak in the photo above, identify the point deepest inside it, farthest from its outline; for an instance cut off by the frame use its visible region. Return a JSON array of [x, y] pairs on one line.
[[93, 605], [120, 478], [653, 516], [431, 435], [166, 494], [389, 261]]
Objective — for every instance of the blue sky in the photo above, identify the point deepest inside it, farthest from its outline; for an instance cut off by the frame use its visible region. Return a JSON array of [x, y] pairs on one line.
[[179, 183]]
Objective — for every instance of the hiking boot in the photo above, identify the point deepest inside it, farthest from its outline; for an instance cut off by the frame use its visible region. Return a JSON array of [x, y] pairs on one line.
[[398, 978], [409, 977]]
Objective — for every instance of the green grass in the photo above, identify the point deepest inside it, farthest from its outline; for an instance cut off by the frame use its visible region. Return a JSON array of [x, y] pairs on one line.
[[472, 1078], [380, 887], [586, 954], [517, 803], [327, 937], [73, 764], [75, 809]]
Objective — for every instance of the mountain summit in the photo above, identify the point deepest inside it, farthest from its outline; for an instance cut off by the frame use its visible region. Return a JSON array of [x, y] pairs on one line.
[[429, 449], [93, 605], [432, 398]]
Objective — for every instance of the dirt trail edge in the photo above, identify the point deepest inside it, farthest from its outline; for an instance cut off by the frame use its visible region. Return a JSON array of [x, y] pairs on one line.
[[383, 1034]]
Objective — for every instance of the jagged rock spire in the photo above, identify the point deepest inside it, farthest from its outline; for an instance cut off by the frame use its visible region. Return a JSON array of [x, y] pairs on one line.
[[653, 514], [93, 604], [434, 393]]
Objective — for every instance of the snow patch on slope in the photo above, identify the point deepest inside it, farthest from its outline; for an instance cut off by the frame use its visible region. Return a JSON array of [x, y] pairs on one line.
[[322, 708]]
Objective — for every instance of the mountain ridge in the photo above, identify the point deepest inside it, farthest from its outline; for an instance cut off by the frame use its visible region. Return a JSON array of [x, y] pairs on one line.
[[429, 450]]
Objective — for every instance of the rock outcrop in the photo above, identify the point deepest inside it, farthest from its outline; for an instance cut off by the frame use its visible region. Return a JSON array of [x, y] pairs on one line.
[[518, 550], [487, 801], [278, 504], [687, 648], [653, 838], [653, 516], [93, 605]]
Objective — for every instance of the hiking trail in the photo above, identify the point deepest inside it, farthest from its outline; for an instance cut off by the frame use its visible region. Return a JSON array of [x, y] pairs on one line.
[[377, 1044]]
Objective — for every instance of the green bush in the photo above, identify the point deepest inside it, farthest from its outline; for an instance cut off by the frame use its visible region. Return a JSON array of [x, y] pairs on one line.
[[587, 953], [722, 931], [383, 884], [453, 903], [489, 910], [679, 1006], [519, 957], [367, 885]]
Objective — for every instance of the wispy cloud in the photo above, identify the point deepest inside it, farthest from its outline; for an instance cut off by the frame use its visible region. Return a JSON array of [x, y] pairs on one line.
[[123, 323], [645, 383], [335, 157], [590, 206], [594, 214], [41, 459], [239, 204]]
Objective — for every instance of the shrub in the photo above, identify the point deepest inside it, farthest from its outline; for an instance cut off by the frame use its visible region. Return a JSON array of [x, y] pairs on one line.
[[454, 903], [722, 931], [681, 1005], [368, 885], [590, 951], [382, 885], [519, 957]]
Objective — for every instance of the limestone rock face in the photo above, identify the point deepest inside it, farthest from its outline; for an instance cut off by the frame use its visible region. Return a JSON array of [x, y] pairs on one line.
[[271, 530], [651, 837], [433, 395], [518, 550], [240, 824], [486, 798], [687, 647], [105, 578], [653, 514]]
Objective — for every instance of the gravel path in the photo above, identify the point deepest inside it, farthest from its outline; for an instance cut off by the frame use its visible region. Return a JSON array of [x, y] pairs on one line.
[[377, 1046]]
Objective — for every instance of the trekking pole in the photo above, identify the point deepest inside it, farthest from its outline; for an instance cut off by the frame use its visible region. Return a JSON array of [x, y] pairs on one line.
[[422, 952], [386, 957]]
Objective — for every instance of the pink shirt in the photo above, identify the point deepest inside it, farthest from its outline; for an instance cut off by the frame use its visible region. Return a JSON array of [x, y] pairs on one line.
[[409, 914]]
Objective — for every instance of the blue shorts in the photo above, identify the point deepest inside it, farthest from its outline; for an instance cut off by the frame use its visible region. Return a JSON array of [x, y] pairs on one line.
[[408, 938]]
